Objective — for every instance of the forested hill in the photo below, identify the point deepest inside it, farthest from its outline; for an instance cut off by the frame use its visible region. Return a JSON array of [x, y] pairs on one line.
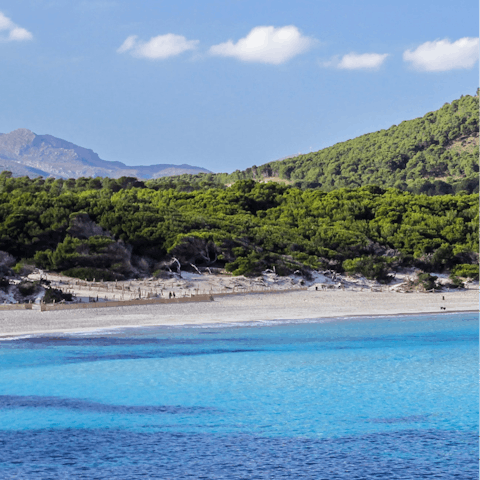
[[440, 147], [435, 154]]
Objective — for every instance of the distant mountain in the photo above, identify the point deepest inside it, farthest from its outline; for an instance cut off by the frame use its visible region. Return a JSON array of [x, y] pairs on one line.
[[22, 152]]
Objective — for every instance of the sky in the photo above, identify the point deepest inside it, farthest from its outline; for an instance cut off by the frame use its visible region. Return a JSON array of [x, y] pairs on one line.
[[227, 84]]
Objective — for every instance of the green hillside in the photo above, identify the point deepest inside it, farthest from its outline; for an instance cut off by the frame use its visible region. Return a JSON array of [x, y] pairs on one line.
[[439, 149], [436, 154]]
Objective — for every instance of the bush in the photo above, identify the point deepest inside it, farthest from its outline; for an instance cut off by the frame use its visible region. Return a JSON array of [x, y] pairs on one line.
[[43, 259], [374, 268], [442, 258], [89, 274], [24, 267], [455, 282], [54, 294], [248, 266], [428, 281], [27, 288], [466, 271]]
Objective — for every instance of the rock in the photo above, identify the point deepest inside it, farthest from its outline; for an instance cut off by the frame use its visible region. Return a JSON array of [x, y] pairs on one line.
[[83, 227]]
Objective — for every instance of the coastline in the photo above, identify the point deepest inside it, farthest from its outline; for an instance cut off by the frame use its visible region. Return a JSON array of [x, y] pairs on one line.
[[253, 307]]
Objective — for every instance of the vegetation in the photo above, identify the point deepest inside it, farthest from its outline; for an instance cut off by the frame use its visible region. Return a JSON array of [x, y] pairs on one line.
[[423, 155], [428, 281], [56, 295], [104, 228], [375, 268], [27, 288], [434, 155], [466, 271], [456, 282], [90, 274], [331, 215]]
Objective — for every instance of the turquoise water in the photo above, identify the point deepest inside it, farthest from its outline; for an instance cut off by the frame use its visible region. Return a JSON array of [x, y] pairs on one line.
[[393, 397]]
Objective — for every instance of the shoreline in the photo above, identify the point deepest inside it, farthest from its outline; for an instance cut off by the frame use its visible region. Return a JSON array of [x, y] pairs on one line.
[[257, 323], [238, 309]]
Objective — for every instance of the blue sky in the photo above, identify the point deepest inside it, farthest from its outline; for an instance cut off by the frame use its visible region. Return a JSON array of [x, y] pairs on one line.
[[228, 84]]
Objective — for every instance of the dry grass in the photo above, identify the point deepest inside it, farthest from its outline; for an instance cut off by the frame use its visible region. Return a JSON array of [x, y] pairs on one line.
[[464, 144], [276, 180], [268, 179]]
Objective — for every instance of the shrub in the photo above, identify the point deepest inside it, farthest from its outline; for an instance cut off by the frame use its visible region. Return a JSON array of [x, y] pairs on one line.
[[54, 294], [23, 267], [27, 288], [466, 271], [248, 266], [374, 268], [442, 258], [89, 274], [43, 259], [428, 281], [455, 282]]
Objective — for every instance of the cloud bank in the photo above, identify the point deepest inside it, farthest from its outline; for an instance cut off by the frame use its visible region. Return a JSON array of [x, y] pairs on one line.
[[157, 48], [443, 55], [13, 32], [357, 61], [266, 45]]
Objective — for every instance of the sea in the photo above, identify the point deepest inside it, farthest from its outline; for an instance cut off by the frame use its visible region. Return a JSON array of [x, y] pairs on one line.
[[392, 397]]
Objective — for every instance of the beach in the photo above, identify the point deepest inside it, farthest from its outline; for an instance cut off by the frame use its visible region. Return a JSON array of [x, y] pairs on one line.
[[254, 307]]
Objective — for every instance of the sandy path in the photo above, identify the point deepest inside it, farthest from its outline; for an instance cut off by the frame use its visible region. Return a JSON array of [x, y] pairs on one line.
[[240, 308]]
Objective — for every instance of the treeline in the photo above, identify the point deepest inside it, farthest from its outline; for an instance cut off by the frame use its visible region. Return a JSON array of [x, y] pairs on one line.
[[126, 228], [434, 155]]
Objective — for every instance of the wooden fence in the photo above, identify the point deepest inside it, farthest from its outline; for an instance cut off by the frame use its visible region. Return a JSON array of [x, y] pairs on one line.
[[16, 306], [46, 307]]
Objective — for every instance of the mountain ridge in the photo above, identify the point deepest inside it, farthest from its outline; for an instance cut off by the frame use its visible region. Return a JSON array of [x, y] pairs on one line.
[[25, 153]]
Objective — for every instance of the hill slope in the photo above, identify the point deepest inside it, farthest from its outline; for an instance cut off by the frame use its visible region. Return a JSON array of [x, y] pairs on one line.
[[435, 154], [440, 147], [22, 152]]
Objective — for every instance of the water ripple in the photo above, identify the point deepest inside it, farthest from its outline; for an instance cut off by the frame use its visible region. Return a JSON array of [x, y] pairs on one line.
[[100, 454], [79, 405]]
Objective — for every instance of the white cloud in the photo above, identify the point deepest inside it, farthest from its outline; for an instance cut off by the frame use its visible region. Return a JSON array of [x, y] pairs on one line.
[[266, 45], [5, 22], [157, 48], [354, 61], [357, 61], [19, 34], [128, 44], [14, 32], [442, 55]]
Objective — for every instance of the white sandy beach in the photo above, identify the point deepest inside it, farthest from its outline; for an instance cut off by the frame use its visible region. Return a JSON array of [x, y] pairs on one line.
[[240, 308]]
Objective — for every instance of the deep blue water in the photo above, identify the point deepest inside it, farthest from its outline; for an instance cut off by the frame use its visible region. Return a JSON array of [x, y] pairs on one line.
[[385, 398]]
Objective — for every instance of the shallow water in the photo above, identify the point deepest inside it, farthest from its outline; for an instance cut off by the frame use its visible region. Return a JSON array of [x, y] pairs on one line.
[[393, 397]]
